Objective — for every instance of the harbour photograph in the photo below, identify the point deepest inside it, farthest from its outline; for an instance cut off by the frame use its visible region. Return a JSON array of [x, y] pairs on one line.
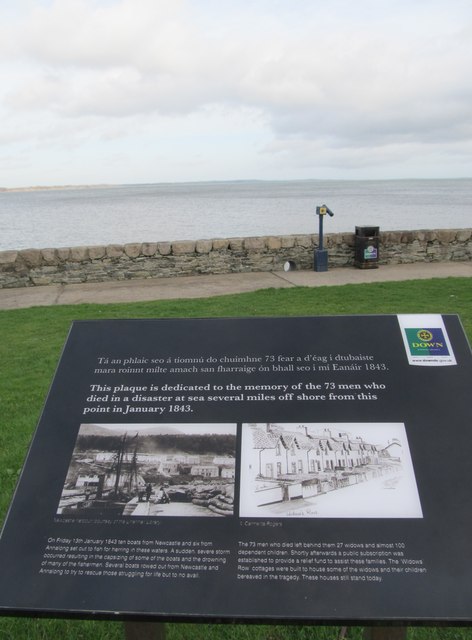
[[151, 470]]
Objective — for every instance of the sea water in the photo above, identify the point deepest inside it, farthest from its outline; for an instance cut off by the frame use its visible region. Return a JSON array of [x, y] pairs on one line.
[[192, 211]]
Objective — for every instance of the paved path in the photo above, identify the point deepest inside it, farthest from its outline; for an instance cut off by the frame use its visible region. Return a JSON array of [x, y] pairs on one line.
[[215, 285]]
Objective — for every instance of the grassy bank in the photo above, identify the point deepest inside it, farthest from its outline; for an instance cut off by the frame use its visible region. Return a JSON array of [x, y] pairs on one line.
[[30, 346]]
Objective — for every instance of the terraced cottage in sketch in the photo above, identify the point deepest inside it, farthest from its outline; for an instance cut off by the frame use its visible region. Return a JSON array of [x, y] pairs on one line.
[[336, 470]]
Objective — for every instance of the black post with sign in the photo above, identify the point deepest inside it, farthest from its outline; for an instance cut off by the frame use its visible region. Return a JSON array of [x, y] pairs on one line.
[[321, 254]]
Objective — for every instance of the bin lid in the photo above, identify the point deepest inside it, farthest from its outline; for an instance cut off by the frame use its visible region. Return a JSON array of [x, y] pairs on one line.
[[367, 231]]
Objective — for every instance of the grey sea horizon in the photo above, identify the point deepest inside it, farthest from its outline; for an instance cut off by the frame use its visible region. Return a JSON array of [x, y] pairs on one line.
[[121, 214]]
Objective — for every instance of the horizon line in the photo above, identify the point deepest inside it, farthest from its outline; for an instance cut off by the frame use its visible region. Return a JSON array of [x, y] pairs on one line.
[[195, 182]]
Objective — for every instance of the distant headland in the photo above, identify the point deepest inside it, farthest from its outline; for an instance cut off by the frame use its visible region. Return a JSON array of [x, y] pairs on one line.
[[63, 187]]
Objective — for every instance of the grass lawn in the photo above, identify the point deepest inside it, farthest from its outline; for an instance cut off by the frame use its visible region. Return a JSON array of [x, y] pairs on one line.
[[30, 346]]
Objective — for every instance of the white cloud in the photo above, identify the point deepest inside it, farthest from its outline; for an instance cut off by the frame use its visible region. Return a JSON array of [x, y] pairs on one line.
[[351, 80]]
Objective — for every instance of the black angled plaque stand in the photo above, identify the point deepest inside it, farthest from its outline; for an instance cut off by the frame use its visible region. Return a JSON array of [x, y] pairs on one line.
[[294, 470], [385, 633]]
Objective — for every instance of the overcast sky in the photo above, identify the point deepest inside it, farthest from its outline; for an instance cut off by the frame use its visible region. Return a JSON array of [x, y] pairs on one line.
[[136, 91]]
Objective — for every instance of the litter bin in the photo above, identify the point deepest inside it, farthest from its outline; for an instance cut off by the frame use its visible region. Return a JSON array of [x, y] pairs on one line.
[[366, 254]]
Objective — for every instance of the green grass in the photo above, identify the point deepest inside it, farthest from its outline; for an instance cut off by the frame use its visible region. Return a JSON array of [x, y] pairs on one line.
[[30, 346]]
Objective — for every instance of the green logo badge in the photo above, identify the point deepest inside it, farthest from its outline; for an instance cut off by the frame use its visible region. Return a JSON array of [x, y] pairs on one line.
[[426, 342]]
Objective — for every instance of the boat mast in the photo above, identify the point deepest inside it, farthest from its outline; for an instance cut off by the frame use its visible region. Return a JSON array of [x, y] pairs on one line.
[[119, 463]]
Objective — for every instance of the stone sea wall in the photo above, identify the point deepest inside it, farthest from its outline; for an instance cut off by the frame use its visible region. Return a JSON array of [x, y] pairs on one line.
[[36, 267]]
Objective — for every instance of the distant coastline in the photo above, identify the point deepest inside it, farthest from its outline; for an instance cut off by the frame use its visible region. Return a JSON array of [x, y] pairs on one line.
[[65, 187], [249, 181]]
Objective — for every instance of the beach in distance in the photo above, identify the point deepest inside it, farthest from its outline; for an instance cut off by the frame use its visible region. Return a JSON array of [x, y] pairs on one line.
[[41, 217]]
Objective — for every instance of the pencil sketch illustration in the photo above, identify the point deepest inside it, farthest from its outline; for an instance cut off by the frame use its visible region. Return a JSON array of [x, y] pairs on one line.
[[151, 470], [344, 470]]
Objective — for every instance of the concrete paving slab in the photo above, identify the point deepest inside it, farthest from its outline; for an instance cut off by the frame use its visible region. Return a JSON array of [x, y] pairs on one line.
[[140, 289], [384, 273], [219, 284]]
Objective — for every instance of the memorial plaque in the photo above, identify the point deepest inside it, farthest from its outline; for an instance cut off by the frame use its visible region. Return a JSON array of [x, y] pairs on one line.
[[274, 469]]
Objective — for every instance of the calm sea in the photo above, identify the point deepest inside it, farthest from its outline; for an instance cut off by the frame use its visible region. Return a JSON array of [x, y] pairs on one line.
[[192, 211]]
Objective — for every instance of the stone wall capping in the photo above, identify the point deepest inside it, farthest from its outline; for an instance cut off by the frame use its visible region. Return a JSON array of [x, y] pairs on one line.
[[274, 243], [164, 248], [235, 244], [406, 237], [287, 242], [133, 249], [63, 254], [49, 256], [79, 254], [307, 240], [97, 252], [463, 235], [220, 244], [446, 235], [182, 247], [31, 257], [114, 250], [66, 265], [203, 246], [8, 257], [149, 248], [254, 243]]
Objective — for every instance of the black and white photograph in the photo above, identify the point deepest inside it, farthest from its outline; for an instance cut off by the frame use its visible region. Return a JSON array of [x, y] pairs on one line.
[[343, 470], [151, 470]]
